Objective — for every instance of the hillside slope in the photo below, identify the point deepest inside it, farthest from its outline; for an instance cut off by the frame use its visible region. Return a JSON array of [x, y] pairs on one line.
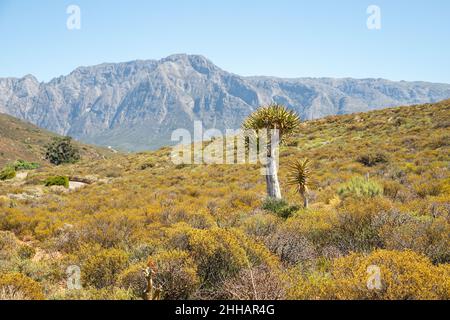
[[136, 105], [207, 229], [22, 140]]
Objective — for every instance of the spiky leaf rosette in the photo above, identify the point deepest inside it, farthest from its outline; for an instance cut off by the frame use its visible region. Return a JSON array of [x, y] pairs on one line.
[[300, 175], [272, 117]]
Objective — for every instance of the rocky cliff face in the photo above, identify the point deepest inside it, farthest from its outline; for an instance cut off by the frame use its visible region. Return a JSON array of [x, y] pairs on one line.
[[136, 105]]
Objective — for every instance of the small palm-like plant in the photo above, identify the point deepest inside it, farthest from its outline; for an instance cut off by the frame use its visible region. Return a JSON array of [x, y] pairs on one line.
[[271, 118], [300, 177]]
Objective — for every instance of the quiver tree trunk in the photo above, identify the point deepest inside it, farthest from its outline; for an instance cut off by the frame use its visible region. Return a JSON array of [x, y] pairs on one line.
[[305, 200], [273, 184]]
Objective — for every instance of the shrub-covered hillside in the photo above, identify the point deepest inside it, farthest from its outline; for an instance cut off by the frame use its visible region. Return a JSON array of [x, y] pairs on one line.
[[379, 197], [22, 140]]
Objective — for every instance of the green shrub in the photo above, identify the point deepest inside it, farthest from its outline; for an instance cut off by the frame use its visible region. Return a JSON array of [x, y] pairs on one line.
[[57, 181], [359, 187], [7, 173], [61, 150], [372, 159], [25, 165], [280, 207]]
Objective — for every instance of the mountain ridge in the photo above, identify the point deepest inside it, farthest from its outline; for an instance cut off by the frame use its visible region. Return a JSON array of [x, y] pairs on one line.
[[136, 105]]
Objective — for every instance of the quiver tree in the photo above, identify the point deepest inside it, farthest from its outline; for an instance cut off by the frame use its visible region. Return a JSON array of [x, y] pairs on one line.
[[278, 124], [300, 177]]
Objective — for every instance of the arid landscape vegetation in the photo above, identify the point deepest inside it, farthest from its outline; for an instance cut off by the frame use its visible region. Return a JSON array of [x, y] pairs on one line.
[[378, 195]]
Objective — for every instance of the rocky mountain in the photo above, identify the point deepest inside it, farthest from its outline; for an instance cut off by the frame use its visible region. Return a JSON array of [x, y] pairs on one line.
[[136, 105]]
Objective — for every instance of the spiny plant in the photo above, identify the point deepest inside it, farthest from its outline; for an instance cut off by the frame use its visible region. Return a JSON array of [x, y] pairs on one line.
[[273, 117], [300, 177], [359, 187]]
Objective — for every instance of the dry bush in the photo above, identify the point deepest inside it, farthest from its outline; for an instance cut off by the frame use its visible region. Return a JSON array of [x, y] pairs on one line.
[[427, 235], [355, 229], [176, 273], [9, 293], [292, 247], [133, 279], [260, 283], [373, 159]]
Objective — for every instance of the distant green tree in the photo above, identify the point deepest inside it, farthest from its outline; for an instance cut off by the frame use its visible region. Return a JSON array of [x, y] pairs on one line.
[[62, 150]]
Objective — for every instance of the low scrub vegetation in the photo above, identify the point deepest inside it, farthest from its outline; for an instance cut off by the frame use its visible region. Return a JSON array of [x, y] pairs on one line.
[[7, 173], [208, 232]]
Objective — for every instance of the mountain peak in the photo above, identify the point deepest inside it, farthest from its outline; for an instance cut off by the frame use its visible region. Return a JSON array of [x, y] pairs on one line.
[[198, 62], [30, 77], [136, 105]]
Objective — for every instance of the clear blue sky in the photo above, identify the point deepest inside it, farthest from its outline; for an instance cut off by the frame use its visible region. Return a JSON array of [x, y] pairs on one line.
[[286, 38]]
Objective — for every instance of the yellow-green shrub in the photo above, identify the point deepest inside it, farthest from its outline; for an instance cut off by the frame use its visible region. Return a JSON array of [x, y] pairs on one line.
[[177, 274], [133, 279], [102, 268], [355, 229], [217, 253], [403, 276], [7, 173], [20, 285]]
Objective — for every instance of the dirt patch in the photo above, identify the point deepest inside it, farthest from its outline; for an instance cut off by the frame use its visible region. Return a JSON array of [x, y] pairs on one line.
[[75, 185]]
